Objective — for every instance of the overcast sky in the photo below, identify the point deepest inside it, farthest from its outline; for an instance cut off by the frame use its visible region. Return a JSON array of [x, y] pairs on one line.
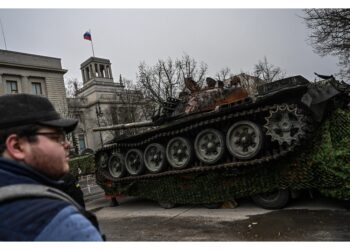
[[233, 38]]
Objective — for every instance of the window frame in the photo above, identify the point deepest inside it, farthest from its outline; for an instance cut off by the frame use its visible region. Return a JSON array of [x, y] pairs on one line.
[[9, 87], [81, 138], [33, 87]]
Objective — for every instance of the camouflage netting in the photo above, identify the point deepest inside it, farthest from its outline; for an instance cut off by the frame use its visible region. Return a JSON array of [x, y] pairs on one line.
[[334, 156], [324, 164]]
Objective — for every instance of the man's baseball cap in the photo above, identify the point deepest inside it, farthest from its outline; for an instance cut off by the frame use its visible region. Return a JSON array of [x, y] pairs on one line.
[[25, 109]]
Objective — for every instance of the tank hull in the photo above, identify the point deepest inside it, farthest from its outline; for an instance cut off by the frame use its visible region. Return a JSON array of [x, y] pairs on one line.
[[287, 119]]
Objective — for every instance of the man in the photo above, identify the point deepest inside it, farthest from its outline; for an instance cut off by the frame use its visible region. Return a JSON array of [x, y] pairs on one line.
[[34, 150]]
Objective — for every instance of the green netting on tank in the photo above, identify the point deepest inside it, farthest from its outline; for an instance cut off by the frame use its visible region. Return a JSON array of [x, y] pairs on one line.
[[323, 164], [336, 150]]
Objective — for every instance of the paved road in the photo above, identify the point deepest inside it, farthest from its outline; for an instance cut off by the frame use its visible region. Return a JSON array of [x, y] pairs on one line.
[[305, 219]]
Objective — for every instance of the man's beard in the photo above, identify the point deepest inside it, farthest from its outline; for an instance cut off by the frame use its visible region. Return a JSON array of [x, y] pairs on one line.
[[47, 164]]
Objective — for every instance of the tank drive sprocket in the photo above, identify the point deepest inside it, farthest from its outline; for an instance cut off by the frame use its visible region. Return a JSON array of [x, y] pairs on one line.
[[285, 124]]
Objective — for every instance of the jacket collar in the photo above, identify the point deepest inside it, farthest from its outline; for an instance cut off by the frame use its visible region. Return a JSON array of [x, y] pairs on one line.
[[13, 172]]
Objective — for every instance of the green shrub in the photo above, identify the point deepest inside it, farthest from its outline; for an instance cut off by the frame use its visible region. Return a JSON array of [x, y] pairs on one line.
[[85, 163]]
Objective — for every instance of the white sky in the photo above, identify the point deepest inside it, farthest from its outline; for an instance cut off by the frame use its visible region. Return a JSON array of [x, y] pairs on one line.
[[234, 38]]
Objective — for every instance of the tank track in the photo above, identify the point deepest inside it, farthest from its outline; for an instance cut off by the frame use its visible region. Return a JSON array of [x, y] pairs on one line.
[[271, 155]]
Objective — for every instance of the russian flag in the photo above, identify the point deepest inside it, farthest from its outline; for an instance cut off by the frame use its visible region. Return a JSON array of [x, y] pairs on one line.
[[87, 35]]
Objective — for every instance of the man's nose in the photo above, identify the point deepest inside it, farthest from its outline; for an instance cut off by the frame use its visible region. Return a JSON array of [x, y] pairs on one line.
[[66, 144]]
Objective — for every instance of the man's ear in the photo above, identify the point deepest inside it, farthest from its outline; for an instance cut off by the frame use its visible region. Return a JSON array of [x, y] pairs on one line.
[[15, 147]]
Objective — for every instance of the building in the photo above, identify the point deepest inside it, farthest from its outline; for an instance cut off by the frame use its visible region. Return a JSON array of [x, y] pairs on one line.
[[33, 74], [102, 102]]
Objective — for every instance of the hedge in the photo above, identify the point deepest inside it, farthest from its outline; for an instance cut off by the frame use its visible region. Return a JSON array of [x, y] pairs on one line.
[[85, 163]]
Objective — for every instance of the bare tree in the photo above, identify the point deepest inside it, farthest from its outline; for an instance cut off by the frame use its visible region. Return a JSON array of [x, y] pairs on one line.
[[330, 34], [72, 86], [150, 83], [189, 68], [268, 72], [166, 78], [170, 76], [126, 83], [144, 107], [223, 74]]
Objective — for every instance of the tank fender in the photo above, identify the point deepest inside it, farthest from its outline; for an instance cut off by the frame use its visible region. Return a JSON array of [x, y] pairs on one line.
[[316, 99]]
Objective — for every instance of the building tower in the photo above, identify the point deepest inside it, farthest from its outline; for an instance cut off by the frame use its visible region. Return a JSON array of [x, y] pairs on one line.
[[96, 70], [100, 102]]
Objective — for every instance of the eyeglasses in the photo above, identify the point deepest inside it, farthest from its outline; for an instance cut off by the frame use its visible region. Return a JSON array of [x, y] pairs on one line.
[[59, 137]]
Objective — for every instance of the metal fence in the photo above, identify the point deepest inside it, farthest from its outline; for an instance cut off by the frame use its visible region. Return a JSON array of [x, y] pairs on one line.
[[88, 184]]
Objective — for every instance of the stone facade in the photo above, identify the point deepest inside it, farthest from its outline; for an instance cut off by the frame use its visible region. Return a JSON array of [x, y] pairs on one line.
[[33, 74], [102, 102]]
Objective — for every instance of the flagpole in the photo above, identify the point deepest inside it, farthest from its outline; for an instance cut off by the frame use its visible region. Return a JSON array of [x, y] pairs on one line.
[[92, 45], [3, 34]]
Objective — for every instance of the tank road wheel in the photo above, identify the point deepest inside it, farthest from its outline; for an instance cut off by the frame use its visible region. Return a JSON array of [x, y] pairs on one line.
[[116, 165], [154, 157], [272, 200], [209, 146], [134, 162], [285, 124], [102, 160], [244, 140], [179, 152]]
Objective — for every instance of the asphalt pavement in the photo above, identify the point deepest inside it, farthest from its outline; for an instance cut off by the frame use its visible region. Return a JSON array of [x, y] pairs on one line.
[[305, 219]]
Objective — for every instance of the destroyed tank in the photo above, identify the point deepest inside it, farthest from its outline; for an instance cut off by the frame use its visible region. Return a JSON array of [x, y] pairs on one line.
[[217, 129]]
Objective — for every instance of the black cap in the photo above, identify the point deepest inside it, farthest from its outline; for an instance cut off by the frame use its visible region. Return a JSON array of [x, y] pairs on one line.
[[24, 109]]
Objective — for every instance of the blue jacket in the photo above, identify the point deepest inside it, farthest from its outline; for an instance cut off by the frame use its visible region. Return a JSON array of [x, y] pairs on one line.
[[39, 219]]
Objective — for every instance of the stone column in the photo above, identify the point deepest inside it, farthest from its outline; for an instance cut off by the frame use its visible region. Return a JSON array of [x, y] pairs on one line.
[[83, 75], [86, 73], [104, 71], [93, 70], [99, 73], [110, 71], [25, 86], [107, 72]]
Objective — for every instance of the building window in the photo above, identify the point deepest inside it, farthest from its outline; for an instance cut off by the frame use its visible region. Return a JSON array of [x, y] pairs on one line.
[[82, 145], [12, 87], [36, 88]]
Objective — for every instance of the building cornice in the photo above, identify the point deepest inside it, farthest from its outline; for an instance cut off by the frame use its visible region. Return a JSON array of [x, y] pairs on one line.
[[37, 68], [98, 83], [27, 54], [94, 59]]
